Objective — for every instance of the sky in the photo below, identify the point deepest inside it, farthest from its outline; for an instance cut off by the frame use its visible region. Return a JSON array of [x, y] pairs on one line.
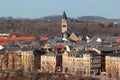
[[73, 8]]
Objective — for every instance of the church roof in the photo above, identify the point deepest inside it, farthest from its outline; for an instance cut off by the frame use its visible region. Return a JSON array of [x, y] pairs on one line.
[[64, 16], [69, 33]]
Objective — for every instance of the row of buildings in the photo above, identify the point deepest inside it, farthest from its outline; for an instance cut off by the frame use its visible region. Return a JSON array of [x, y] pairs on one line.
[[88, 61], [69, 54]]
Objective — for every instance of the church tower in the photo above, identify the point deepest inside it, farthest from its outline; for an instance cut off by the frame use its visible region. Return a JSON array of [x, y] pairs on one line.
[[64, 23]]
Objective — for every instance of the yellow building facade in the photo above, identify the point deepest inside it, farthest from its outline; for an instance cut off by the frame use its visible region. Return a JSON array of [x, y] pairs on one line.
[[51, 62], [17, 59]]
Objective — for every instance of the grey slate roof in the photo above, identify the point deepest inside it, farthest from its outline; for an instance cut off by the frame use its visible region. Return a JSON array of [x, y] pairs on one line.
[[51, 54], [106, 48], [12, 47], [92, 53]]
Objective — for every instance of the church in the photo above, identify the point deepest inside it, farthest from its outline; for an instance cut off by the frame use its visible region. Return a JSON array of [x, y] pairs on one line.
[[66, 35]]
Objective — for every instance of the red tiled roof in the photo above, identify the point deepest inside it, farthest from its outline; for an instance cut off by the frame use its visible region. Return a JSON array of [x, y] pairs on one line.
[[43, 39], [3, 43], [118, 40], [61, 46], [2, 39], [22, 38]]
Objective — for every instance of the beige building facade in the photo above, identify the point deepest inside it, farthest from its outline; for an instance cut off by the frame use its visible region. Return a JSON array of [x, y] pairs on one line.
[[51, 62], [17, 59], [71, 64], [87, 62], [112, 65]]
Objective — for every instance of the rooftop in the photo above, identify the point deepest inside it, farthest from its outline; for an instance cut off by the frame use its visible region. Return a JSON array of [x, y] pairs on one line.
[[51, 54], [106, 48], [92, 53]]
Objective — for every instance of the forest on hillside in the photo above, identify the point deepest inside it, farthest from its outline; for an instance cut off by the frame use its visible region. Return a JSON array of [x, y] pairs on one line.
[[35, 27]]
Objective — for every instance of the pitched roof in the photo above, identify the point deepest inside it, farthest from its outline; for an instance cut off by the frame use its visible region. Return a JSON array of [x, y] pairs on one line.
[[51, 54], [43, 39], [2, 39], [106, 48], [113, 54], [12, 47], [92, 53], [118, 40], [21, 38], [61, 46], [3, 43], [69, 33]]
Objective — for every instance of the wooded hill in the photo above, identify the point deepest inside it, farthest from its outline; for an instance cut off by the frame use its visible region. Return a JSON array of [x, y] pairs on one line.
[[38, 27]]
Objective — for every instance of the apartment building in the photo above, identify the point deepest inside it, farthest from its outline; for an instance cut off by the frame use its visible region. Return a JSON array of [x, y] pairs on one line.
[[13, 58], [9, 57], [71, 63], [89, 62], [51, 62], [27, 59], [112, 64]]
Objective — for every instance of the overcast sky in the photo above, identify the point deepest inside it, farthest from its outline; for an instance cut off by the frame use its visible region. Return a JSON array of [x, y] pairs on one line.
[[73, 8]]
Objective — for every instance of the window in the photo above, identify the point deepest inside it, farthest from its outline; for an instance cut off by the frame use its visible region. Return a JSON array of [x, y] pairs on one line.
[[66, 69], [53, 62], [64, 25], [42, 67], [87, 60], [43, 62], [47, 62]]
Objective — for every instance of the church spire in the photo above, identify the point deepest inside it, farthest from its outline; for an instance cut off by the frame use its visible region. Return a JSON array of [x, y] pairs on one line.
[[64, 16], [64, 23]]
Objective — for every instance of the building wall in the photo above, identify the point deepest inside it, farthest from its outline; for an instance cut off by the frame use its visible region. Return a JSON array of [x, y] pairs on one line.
[[86, 63], [48, 63], [10, 60], [71, 64], [17, 60], [112, 65], [95, 65], [27, 60]]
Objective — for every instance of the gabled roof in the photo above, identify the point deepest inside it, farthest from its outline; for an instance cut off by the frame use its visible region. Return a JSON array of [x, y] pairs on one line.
[[69, 33], [64, 16]]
